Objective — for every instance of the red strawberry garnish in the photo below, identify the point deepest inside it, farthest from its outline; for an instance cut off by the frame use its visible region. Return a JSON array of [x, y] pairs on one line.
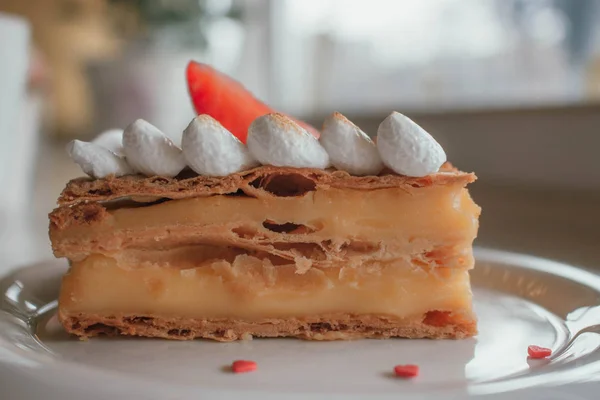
[[226, 100]]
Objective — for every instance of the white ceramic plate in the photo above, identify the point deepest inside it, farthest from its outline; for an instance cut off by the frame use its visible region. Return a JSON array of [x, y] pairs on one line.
[[520, 300]]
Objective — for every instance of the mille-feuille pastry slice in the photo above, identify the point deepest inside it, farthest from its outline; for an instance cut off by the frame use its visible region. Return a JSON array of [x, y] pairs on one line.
[[268, 239]]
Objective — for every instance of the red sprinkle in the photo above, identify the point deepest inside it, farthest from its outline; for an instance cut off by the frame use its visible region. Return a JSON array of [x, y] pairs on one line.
[[406, 371], [538, 352], [240, 366]]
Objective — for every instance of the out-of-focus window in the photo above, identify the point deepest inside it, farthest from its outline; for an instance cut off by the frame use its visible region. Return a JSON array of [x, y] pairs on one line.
[[112, 61], [361, 56]]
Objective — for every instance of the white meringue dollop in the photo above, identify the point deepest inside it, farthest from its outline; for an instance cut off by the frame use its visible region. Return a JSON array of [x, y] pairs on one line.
[[97, 161], [112, 140], [275, 139], [151, 152], [210, 149], [407, 148], [349, 148]]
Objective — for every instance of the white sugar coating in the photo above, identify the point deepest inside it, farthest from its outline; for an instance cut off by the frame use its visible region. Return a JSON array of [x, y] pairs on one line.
[[274, 139], [112, 140], [151, 152], [210, 149], [349, 148], [97, 161], [407, 148]]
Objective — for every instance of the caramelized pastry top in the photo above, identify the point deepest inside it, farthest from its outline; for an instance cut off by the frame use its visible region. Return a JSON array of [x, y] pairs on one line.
[[258, 182]]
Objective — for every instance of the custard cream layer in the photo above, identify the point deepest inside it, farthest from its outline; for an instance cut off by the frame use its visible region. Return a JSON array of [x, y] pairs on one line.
[[435, 226], [250, 288]]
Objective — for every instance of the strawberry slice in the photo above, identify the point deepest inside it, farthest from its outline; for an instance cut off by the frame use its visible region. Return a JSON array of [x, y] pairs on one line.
[[226, 100]]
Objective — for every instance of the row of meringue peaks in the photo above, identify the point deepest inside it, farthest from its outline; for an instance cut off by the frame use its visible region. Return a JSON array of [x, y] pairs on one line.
[[273, 139]]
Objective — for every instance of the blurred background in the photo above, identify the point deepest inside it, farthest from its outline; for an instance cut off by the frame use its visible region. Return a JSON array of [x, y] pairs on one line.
[[510, 88]]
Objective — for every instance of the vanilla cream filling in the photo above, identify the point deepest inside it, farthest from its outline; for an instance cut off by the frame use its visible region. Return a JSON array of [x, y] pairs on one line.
[[251, 289], [380, 224]]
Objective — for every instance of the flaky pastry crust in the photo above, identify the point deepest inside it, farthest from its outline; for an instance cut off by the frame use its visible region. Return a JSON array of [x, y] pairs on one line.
[[261, 181], [339, 326]]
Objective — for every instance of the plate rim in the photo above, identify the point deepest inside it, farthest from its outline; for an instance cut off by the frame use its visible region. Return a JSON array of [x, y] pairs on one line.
[[38, 362]]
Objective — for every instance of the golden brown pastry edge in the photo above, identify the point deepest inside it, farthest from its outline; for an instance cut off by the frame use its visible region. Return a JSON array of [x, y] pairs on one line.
[[255, 182], [339, 326]]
